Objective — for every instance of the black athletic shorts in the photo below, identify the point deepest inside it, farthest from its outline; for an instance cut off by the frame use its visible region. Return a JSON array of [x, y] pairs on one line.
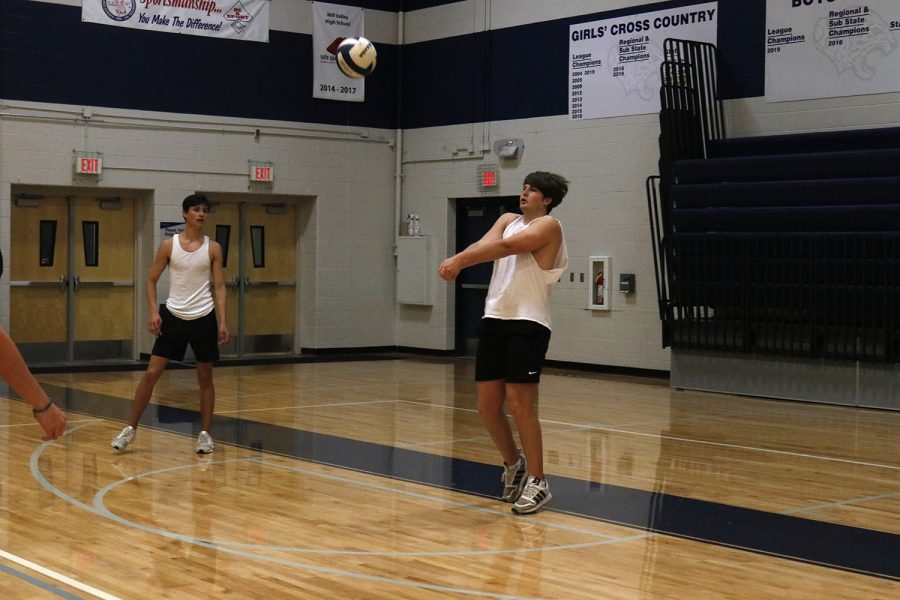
[[511, 350], [202, 334]]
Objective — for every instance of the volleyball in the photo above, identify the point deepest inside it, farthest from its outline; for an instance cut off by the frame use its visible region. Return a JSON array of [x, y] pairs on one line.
[[356, 57]]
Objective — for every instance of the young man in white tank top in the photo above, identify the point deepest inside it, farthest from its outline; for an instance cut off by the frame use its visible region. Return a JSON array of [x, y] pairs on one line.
[[193, 314], [530, 254]]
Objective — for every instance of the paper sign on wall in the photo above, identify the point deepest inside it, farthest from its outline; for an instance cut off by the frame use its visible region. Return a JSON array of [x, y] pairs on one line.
[[614, 63], [233, 19], [826, 50], [331, 24]]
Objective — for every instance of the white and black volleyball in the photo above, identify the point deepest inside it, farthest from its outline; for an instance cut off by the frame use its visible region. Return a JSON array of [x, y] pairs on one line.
[[356, 57]]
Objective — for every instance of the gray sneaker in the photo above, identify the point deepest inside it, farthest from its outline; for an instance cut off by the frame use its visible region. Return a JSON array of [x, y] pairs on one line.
[[513, 479], [204, 443], [125, 437], [535, 495]]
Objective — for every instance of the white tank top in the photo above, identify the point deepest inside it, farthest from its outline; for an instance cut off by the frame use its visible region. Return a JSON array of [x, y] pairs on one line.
[[520, 288], [190, 295]]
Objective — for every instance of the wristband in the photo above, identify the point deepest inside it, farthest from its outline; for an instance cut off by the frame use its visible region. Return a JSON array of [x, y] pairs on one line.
[[37, 411]]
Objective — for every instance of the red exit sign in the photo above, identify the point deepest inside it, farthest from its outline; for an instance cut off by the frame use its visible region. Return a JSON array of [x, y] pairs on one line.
[[87, 165], [262, 173], [488, 177]]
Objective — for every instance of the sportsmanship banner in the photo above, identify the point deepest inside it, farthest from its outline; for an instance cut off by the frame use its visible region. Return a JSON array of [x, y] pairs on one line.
[[331, 24], [614, 63], [836, 48], [231, 19]]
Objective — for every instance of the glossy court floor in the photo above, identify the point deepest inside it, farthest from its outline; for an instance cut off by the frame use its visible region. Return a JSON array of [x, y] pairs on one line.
[[375, 479]]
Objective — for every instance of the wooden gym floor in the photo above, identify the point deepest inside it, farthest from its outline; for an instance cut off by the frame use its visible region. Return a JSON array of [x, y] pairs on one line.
[[375, 479]]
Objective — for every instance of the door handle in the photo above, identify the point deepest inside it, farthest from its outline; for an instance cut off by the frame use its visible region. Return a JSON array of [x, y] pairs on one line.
[[246, 282], [76, 282], [63, 283]]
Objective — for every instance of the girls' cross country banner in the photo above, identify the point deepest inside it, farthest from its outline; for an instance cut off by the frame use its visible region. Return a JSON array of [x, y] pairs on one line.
[[827, 50], [614, 63], [333, 23], [231, 19]]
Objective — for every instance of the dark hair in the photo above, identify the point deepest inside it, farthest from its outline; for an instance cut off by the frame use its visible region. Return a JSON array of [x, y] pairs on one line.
[[551, 185], [194, 200]]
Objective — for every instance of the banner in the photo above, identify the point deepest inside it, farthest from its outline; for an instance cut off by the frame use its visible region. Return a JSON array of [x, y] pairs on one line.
[[333, 23], [231, 19], [614, 63], [839, 48]]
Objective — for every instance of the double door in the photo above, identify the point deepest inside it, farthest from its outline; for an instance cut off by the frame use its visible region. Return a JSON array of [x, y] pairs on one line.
[[71, 268], [260, 263]]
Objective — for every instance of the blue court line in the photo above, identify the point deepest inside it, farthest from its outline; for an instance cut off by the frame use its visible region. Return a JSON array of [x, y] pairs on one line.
[[865, 551], [48, 587]]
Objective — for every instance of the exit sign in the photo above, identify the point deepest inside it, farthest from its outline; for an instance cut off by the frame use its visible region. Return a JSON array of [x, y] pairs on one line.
[[488, 177], [88, 163], [262, 171]]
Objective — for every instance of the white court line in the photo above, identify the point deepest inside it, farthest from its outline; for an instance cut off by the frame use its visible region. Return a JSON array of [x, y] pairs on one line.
[[100, 509], [591, 426], [249, 410], [57, 576], [70, 422], [860, 500]]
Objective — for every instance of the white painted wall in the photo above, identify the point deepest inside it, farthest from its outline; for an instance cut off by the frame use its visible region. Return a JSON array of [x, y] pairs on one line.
[[605, 212], [344, 180]]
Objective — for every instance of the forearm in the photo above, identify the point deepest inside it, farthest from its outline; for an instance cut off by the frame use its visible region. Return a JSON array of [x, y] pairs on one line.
[[220, 299], [484, 251], [152, 301], [15, 372]]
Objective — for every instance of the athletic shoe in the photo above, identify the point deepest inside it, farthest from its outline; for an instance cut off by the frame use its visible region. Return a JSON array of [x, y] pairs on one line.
[[535, 495], [513, 479], [125, 437], [204, 443]]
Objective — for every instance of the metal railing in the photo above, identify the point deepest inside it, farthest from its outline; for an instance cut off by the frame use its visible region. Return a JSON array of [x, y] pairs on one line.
[[691, 115], [691, 111]]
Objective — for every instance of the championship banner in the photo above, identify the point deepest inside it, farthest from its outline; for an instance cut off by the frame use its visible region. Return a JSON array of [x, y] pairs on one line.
[[333, 23], [833, 49], [230, 19], [614, 63]]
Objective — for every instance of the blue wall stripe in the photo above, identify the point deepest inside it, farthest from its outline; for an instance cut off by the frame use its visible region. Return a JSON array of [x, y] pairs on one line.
[[48, 55]]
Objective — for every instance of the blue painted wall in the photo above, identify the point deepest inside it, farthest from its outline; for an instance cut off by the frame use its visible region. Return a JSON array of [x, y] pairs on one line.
[[48, 55]]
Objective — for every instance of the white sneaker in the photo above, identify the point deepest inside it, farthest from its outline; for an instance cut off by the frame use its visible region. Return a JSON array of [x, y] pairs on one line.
[[125, 437], [204, 443], [535, 495], [513, 479]]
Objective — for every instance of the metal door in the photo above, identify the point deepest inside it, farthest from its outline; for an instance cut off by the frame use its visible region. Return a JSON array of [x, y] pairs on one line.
[[260, 250], [72, 278]]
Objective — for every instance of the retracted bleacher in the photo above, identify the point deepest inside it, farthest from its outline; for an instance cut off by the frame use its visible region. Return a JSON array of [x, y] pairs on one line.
[[774, 245]]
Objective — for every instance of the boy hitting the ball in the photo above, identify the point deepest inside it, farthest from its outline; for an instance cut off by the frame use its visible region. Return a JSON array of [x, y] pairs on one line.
[[529, 254]]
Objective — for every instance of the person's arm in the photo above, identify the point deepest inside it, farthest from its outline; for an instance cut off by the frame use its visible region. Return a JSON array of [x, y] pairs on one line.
[[160, 262], [15, 372], [220, 294], [493, 245]]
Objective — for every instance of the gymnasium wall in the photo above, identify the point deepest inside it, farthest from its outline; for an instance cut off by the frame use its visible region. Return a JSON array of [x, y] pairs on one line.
[[177, 114], [521, 92], [174, 114]]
